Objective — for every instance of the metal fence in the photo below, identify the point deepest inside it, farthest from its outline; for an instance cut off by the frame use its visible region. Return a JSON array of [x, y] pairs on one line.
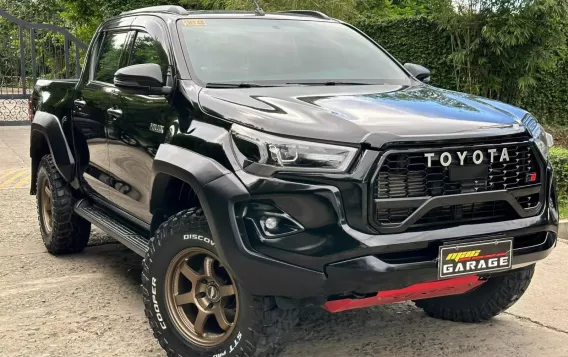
[[29, 51]]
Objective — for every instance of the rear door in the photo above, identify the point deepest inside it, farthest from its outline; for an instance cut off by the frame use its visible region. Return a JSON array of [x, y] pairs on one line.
[[91, 109], [145, 122]]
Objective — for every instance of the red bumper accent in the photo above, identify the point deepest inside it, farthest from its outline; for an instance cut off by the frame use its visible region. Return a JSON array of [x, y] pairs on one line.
[[414, 292]]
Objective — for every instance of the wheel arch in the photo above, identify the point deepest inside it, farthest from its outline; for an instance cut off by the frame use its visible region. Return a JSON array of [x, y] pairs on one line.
[[47, 137], [219, 191], [179, 176]]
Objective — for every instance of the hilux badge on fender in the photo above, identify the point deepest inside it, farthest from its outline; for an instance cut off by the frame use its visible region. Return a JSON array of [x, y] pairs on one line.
[[157, 128], [446, 158]]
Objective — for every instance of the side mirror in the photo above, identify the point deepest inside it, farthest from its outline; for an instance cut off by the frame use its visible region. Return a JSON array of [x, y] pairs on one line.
[[420, 72], [146, 78]]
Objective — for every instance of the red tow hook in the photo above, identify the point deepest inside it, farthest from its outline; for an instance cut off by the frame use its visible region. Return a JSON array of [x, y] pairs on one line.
[[414, 292]]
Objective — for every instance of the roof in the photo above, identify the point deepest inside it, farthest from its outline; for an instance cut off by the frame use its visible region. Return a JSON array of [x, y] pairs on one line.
[[180, 11]]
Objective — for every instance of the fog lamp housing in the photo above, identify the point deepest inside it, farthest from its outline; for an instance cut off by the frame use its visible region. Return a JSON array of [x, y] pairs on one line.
[[271, 222]]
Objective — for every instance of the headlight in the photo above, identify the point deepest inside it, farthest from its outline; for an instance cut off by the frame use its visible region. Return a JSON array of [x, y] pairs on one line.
[[290, 154], [543, 140]]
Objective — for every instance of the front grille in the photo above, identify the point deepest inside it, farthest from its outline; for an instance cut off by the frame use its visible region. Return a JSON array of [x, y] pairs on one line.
[[530, 240], [406, 177], [468, 213], [446, 215], [386, 216], [530, 201], [407, 174]]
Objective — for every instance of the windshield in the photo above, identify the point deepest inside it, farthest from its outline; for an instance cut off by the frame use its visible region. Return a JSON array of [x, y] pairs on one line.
[[284, 51]]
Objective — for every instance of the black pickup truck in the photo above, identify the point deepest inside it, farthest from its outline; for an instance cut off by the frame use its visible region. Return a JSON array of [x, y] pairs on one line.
[[265, 162]]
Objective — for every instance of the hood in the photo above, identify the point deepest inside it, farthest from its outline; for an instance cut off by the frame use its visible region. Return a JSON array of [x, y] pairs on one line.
[[374, 114]]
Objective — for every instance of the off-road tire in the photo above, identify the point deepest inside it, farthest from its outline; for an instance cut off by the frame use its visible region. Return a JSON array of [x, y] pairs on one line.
[[261, 325], [70, 232], [484, 302]]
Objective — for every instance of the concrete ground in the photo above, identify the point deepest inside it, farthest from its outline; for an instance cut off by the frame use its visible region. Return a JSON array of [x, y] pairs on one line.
[[90, 304]]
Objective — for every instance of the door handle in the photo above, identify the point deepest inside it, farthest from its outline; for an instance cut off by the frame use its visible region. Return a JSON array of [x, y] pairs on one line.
[[114, 113], [79, 103]]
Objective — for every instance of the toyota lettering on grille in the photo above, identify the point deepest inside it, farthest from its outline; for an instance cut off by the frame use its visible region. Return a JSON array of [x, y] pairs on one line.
[[478, 157]]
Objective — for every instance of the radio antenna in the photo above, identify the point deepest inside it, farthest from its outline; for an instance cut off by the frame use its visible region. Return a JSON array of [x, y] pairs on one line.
[[258, 9]]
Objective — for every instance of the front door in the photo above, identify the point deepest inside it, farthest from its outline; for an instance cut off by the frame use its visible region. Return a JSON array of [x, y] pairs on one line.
[[91, 105], [143, 123]]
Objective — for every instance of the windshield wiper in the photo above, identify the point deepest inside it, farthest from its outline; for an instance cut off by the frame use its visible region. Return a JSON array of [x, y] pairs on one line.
[[330, 83], [234, 85], [255, 85]]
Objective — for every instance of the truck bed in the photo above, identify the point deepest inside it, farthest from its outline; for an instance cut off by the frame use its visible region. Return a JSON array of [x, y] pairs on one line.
[[54, 96]]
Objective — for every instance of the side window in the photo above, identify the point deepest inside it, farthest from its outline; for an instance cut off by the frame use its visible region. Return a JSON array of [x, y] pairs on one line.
[[110, 56], [92, 56], [146, 49]]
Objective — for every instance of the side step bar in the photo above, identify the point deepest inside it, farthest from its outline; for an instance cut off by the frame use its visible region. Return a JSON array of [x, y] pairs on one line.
[[125, 235]]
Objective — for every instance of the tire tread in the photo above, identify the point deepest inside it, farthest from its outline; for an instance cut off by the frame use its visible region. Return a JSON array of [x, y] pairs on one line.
[[271, 324], [70, 232], [485, 302]]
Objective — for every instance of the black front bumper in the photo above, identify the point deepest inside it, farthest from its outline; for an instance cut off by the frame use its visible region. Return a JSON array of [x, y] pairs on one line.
[[331, 257], [370, 274]]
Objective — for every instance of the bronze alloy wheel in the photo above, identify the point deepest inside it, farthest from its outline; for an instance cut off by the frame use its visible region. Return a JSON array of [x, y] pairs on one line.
[[201, 297], [46, 206]]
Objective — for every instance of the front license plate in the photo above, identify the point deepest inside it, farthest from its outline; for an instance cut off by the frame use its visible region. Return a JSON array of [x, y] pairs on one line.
[[474, 258]]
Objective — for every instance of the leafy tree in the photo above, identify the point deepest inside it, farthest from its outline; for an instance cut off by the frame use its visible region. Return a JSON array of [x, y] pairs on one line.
[[344, 9], [45, 11], [394, 8], [82, 17], [500, 48], [86, 15], [49, 45]]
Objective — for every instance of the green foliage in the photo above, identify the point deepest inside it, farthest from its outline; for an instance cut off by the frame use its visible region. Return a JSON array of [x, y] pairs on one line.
[[49, 45], [563, 211], [347, 10], [500, 48], [548, 100], [84, 16], [416, 40], [44, 11], [383, 9], [344, 9], [539, 87], [559, 161], [510, 50]]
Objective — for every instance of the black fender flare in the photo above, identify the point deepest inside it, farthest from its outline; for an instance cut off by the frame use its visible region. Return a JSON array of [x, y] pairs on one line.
[[48, 126], [185, 165], [218, 190], [197, 171]]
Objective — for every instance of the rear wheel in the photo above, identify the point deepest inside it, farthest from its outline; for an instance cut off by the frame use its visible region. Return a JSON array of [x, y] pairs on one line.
[[62, 231], [484, 302], [194, 304]]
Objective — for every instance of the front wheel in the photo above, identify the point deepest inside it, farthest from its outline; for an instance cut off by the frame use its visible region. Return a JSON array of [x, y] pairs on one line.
[[196, 307], [484, 302]]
